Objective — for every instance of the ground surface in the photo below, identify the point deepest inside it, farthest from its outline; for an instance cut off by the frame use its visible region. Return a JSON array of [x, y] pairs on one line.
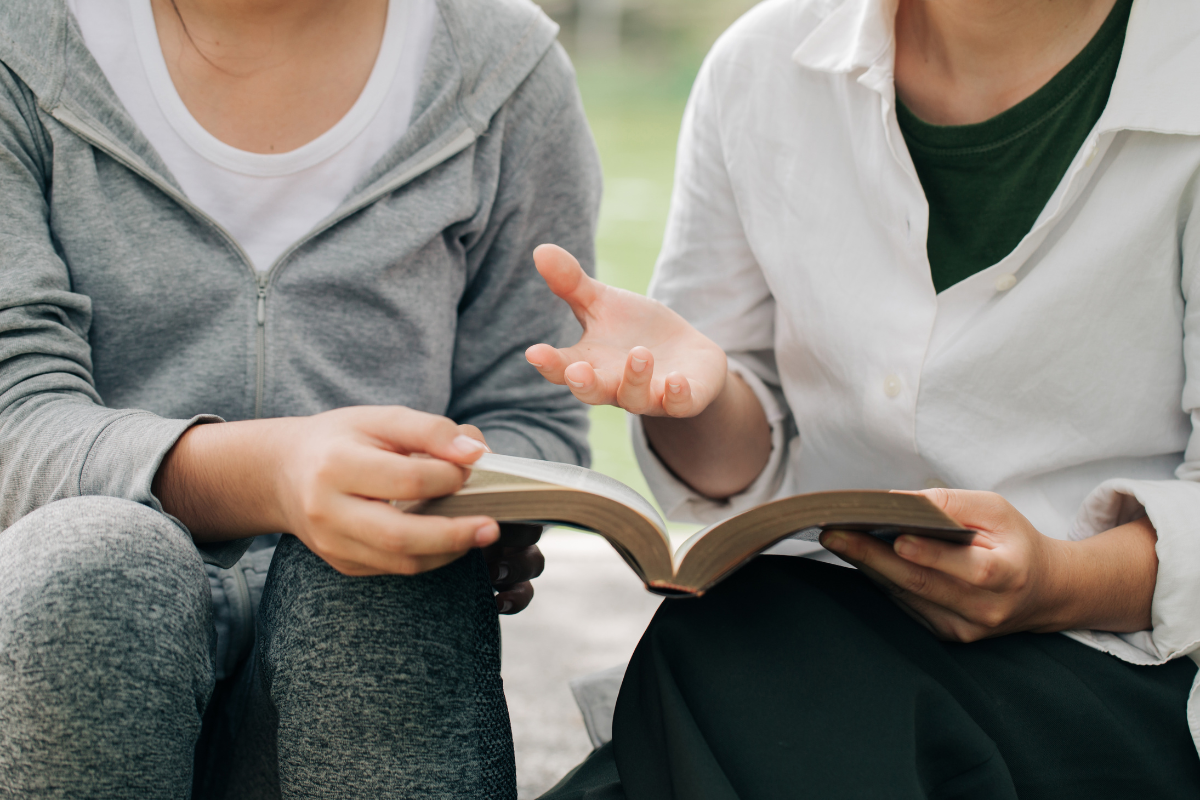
[[588, 614]]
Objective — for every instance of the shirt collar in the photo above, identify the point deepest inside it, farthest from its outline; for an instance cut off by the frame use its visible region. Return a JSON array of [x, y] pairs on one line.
[[1155, 88], [854, 35]]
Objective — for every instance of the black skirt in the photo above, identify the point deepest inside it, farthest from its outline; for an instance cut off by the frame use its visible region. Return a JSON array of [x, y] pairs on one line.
[[801, 679]]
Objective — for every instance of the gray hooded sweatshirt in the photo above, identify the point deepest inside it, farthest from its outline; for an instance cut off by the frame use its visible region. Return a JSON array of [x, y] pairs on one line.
[[127, 314]]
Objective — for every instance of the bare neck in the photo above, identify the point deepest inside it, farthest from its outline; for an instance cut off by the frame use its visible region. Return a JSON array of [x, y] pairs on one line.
[[268, 76], [965, 61], [239, 34]]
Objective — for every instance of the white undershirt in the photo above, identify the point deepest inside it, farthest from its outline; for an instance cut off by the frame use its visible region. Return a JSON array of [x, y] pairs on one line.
[[267, 202]]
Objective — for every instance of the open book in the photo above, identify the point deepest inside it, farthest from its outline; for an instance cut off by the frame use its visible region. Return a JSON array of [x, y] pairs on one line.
[[510, 489]]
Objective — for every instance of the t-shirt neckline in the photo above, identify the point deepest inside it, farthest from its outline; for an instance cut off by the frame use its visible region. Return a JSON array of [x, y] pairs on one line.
[[267, 165], [1027, 115]]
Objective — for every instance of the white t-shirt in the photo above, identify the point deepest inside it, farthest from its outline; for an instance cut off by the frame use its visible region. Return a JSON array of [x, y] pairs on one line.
[[266, 201]]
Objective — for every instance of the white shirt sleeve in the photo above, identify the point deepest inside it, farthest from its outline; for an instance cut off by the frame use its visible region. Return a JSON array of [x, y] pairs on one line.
[[708, 274], [1173, 507]]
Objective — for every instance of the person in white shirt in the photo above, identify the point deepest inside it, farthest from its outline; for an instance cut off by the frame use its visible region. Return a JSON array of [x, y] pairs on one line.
[[946, 246]]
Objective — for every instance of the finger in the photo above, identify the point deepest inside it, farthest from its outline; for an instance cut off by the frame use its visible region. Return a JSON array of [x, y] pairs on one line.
[[978, 566], [566, 278], [470, 430], [941, 622], [550, 362], [636, 394], [385, 529], [519, 535], [407, 430], [352, 556], [985, 511], [384, 475], [517, 566], [944, 622], [590, 385], [903, 576], [515, 599], [677, 396]]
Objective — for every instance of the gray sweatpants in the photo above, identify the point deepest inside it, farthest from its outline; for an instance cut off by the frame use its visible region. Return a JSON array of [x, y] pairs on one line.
[[355, 688]]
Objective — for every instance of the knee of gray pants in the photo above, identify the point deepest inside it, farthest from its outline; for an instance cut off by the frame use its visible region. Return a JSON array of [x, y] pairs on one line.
[[386, 686], [105, 652]]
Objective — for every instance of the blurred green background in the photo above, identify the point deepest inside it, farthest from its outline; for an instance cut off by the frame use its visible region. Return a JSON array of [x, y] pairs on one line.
[[635, 60]]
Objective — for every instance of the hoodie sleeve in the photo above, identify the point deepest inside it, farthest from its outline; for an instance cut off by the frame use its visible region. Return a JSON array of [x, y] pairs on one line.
[[547, 190], [57, 439]]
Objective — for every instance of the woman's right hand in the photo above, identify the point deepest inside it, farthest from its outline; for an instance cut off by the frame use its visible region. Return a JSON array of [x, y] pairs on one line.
[[635, 352], [326, 479]]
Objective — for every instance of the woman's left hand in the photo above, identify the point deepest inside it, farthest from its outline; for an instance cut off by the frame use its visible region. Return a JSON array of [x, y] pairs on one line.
[[1010, 578], [513, 561]]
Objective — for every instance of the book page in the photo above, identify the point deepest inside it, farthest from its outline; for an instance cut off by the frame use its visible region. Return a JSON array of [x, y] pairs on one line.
[[570, 476]]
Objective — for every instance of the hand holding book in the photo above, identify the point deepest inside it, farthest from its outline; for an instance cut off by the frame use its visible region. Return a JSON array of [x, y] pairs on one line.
[[1012, 577]]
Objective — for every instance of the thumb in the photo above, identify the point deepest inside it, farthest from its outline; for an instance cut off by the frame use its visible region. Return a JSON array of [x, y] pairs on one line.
[[985, 511], [565, 277]]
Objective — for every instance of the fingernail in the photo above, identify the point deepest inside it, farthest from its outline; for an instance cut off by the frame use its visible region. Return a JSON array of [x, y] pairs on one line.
[[674, 387], [575, 384], [835, 541], [638, 364], [502, 571], [486, 534], [468, 446], [506, 607], [905, 546], [539, 366]]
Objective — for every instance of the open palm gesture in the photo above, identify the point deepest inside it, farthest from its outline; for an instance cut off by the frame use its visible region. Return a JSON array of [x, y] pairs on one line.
[[635, 352]]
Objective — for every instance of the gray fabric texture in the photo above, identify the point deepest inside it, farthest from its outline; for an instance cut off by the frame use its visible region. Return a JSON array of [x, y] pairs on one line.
[[237, 593], [105, 653], [357, 688], [126, 314]]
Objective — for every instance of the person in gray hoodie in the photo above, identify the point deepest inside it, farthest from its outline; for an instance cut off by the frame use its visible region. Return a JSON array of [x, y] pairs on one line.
[[176, 387]]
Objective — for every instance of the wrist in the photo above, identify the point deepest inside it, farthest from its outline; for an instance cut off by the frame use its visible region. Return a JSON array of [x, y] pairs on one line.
[[720, 451], [224, 481], [1105, 582], [1056, 605]]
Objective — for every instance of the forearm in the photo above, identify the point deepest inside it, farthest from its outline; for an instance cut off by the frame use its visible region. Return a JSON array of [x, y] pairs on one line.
[[720, 451], [1106, 582], [219, 480]]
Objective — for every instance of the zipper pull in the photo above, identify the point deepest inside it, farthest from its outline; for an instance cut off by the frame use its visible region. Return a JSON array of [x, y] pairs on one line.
[[262, 299]]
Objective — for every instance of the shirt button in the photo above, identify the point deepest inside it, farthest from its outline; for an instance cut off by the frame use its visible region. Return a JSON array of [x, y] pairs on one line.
[[891, 386], [1005, 282], [935, 483]]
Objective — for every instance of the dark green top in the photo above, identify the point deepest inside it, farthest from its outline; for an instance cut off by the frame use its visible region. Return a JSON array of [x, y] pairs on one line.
[[987, 183]]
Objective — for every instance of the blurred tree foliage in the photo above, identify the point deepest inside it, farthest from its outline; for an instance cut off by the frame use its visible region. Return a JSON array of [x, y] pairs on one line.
[[656, 29]]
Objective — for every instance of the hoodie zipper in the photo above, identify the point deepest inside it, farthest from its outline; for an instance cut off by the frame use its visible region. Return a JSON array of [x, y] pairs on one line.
[[260, 342], [117, 151]]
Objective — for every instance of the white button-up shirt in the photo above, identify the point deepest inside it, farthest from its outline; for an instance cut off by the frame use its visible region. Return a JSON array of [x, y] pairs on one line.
[[1066, 377]]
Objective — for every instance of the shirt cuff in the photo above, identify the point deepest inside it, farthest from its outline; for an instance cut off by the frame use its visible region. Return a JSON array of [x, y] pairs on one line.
[[680, 502], [1174, 509]]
